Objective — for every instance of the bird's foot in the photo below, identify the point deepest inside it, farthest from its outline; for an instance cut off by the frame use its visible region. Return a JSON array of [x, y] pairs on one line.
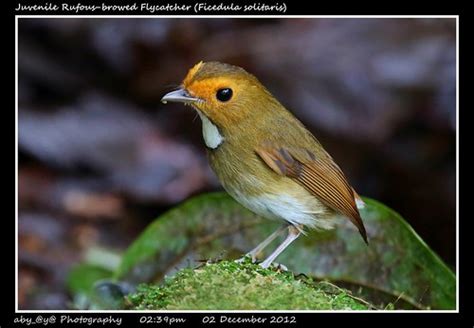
[[277, 266], [245, 258]]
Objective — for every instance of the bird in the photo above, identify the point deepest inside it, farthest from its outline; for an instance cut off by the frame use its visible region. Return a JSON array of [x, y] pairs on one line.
[[264, 157]]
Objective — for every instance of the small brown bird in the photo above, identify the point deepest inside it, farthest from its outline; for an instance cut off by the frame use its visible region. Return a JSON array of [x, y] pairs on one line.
[[264, 157]]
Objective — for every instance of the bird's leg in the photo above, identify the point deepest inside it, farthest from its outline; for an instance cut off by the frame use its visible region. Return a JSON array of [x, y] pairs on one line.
[[293, 233], [254, 252]]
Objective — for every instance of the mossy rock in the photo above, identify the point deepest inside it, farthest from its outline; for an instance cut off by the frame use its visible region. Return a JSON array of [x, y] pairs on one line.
[[229, 285]]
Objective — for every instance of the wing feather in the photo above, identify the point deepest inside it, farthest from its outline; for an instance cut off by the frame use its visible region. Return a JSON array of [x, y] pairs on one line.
[[317, 173]]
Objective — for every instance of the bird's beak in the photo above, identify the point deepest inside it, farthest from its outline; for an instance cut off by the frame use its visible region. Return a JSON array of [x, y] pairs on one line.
[[180, 95]]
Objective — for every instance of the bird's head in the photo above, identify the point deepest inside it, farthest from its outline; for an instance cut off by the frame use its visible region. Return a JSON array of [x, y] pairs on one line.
[[223, 93]]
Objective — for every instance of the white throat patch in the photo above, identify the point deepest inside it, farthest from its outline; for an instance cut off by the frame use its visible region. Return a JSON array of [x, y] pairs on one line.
[[210, 132]]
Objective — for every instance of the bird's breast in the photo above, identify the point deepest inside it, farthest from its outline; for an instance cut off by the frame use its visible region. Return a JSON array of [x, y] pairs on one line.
[[247, 179]]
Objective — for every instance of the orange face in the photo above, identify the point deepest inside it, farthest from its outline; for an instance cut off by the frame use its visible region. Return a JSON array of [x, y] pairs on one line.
[[225, 94]]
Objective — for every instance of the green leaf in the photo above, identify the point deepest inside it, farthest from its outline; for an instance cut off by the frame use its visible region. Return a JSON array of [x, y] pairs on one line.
[[81, 280], [183, 234], [397, 270], [82, 277], [90, 282]]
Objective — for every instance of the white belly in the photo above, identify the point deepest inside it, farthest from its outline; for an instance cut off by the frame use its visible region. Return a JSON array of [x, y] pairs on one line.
[[306, 210]]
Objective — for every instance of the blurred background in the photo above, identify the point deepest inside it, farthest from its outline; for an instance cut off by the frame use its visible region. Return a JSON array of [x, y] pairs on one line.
[[100, 157]]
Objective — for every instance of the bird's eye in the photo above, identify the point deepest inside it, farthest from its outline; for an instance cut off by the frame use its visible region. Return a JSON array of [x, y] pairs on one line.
[[224, 94]]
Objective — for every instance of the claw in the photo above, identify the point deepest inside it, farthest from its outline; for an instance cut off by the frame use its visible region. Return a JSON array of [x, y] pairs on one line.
[[245, 257], [277, 266]]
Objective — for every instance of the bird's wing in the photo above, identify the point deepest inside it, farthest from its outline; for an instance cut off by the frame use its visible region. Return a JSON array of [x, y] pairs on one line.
[[319, 174]]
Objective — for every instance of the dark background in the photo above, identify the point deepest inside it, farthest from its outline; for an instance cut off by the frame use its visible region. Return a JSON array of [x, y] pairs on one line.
[[100, 157]]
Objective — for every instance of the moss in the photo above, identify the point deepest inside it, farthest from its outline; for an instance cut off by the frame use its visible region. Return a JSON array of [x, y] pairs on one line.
[[241, 286]]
